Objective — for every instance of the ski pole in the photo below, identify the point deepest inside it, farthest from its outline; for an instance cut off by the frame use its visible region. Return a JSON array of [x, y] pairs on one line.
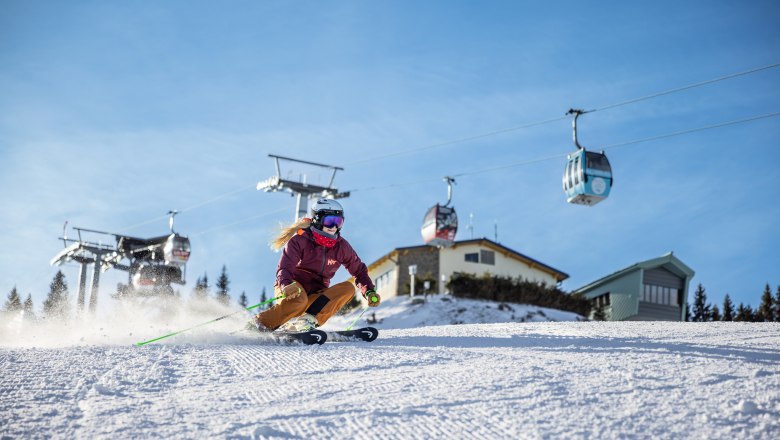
[[139, 344], [356, 319], [372, 298]]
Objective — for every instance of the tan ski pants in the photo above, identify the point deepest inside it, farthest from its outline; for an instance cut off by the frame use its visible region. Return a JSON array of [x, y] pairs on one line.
[[322, 305]]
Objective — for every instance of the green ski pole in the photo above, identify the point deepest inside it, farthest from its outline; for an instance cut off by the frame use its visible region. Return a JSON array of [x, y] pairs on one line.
[[356, 319], [139, 344], [372, 297]]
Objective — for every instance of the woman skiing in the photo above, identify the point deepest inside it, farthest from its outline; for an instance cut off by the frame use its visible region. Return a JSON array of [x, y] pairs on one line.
[[313, 251]]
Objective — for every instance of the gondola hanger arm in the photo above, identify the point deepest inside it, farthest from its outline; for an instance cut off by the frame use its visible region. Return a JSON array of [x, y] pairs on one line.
[[576, 114], [449, 181]]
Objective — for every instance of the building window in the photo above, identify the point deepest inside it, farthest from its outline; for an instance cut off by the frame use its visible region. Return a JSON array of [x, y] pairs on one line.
[[601, 300], [487, 257], [667, 296], [383, 280], [484, 257]]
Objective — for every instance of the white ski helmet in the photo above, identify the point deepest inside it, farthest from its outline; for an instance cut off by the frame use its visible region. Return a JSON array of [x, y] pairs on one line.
[[325, 207]]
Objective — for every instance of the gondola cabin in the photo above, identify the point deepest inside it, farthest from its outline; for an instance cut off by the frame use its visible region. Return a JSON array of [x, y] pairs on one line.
[[587, 178], [176, 249], [440, 225], [156, 262], [153, 275]]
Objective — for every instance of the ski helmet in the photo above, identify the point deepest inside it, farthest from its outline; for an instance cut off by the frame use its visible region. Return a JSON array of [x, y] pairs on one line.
[[322, 208]]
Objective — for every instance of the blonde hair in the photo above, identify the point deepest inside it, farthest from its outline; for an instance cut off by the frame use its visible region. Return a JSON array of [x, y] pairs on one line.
[[288, 232]]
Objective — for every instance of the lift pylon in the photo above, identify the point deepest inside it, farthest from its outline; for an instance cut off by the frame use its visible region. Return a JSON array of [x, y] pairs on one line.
[[301, 188]]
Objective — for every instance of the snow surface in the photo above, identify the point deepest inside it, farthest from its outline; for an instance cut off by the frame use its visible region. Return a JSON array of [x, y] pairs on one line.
[[552, 376]]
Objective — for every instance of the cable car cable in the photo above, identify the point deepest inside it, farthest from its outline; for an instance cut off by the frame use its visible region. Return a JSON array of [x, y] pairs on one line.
[[520, 127], [547, 121], [621, 144], [502, 167], [683, 88], [254, 217], [198, 205], [692, 130], [563, 155], [459, 140], [512, 165]]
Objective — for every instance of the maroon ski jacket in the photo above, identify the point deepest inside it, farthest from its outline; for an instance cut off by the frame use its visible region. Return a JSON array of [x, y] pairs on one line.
[[313, 265]]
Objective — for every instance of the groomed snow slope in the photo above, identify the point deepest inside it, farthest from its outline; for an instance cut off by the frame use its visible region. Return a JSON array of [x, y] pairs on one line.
[[505, 380]]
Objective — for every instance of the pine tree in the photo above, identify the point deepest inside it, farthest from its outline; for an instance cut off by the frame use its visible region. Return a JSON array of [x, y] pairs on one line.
[[29, 310], [715, 313], [56, 305], [242, 300], [766, 312], [744, 313], [728, 308], [701, 310], [740, 312], [14, 303], [263, 299], [222, 287], [598, 314], [201, 290], [777, 305]]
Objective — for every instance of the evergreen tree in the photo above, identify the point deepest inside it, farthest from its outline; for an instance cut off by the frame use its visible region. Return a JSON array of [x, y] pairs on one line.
[[195, 288], [264, 298], [29, 310], [242, 300], [201, 290], [222, 287], [777, 305], [744, 313], [56, 305], [598, 314], [701, 310], [766, 312], [715, 313], [14, 303], [728, 308]]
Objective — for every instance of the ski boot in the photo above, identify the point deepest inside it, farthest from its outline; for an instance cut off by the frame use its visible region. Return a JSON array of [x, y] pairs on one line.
[[303, 323], [255, 325]]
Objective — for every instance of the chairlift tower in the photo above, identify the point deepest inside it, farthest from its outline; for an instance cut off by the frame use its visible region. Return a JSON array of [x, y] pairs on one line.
[[85, 252], [152, 263], [301, 189]]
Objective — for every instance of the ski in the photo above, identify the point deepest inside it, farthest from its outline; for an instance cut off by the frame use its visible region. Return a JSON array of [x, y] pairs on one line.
[[310, 337], [367, 334]]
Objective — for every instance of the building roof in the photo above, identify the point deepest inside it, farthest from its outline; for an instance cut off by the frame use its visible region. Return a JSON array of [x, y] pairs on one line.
[[534, 264], [667, 261]]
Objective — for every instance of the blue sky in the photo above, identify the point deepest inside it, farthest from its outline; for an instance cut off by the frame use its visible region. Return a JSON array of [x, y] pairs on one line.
[[114, 112]]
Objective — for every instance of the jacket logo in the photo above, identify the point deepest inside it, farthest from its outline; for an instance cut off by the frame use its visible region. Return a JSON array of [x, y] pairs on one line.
[[332, 262]]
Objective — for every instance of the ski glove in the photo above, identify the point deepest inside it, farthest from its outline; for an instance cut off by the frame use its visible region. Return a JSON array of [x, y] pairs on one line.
[[292, 290], [373, 298]]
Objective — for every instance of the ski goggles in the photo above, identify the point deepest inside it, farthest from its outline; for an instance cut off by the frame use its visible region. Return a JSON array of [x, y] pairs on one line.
[[331, 221]]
